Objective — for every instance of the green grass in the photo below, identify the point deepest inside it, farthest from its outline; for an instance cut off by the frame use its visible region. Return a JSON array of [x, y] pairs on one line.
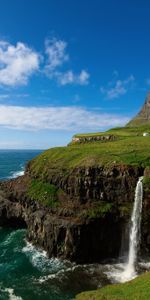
[[131, 148], [56, 161], [119, 131], [137, 289], [98, 212], [43, 192], [146, 184], [146, 181]]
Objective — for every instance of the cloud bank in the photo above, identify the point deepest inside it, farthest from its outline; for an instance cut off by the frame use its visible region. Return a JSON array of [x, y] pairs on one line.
[[69, 118]]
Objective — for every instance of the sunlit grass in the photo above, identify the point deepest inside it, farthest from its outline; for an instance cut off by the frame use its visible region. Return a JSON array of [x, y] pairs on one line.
[[137, 289]]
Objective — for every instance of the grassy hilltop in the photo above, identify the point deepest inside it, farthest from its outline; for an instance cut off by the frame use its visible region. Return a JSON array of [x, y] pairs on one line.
[[130, 147], [120, 131]]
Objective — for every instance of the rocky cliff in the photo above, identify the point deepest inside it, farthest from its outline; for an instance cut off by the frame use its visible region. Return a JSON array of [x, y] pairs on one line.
[[143, 117], [95, 138], [91, 215]]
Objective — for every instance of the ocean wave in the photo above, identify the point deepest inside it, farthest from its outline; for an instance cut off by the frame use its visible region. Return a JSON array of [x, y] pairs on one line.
[[59, 274], [10, 293], [17, 174], [40, 260], [11, 236]]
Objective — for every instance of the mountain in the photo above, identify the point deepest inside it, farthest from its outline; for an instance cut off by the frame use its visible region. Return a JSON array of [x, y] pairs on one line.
[[143, 117]]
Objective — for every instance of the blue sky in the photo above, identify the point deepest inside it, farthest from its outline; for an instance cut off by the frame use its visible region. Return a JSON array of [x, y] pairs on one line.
[[70, 66]]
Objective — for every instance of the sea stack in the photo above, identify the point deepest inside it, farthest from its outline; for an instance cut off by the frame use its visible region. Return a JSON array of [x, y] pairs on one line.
[[143, 117]]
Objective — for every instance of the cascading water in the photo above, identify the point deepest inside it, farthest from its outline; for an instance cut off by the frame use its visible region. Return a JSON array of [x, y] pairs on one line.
[[127, 271], [134, 236]]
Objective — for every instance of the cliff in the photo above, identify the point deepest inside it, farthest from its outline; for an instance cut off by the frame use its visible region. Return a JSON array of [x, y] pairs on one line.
[[92, 207]]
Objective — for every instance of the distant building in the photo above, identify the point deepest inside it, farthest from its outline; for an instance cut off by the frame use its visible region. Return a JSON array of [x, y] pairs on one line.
[[75, 139], [146, 134]]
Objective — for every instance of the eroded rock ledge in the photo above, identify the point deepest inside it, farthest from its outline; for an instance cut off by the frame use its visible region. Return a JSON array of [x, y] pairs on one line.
[[90, 221]]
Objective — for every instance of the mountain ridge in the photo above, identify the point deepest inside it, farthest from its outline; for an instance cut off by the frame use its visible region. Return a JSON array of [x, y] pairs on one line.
[[143, 117]]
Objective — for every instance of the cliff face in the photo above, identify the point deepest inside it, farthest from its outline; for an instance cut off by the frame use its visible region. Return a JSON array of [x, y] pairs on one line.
[[89, 223], [111, 185], [85, 139]]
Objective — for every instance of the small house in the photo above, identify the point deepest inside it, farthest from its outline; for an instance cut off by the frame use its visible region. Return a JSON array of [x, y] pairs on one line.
[[146, 134]]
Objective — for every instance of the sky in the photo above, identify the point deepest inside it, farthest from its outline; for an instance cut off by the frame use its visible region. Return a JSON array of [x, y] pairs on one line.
[[70, 67]]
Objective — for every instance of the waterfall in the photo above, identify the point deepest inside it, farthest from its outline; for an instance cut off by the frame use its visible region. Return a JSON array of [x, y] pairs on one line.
[[134, 235], [122, 272]]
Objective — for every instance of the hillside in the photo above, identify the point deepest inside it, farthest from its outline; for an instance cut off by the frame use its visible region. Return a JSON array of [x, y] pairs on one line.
[[129, 148]]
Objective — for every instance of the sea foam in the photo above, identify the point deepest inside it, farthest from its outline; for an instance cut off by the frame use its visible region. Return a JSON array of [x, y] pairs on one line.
[[11, 294]]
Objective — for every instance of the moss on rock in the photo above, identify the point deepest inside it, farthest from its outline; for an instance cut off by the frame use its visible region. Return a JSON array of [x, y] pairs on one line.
[[42, 192]]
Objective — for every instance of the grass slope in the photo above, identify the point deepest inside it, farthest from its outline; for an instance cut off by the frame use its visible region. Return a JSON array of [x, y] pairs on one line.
[[42, 192], [131, 150], [120, 131], [137, 289]]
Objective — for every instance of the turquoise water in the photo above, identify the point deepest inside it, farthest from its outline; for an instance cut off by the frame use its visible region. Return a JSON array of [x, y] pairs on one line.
[[12, 162], [26, 272]]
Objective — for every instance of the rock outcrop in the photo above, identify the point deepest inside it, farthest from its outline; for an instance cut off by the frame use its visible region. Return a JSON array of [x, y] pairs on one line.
[[94, 138], [143, 117]]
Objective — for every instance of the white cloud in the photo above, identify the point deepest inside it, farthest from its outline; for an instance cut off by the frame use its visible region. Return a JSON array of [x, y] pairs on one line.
[[83, 78], [117, 88], [69, 118], [17, 63], [12, 96], [65, 78], [56, 51], [70, 78]]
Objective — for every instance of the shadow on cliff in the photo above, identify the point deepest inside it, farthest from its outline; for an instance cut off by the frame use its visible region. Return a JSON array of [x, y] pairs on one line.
[[12, 222]]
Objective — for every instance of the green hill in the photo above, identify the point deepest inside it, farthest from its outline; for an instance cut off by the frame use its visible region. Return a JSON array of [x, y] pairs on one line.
[[129, 148]]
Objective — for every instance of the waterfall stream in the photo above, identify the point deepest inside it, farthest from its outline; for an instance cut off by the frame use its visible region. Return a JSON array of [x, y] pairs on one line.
[[135, 234], [122, 272]]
